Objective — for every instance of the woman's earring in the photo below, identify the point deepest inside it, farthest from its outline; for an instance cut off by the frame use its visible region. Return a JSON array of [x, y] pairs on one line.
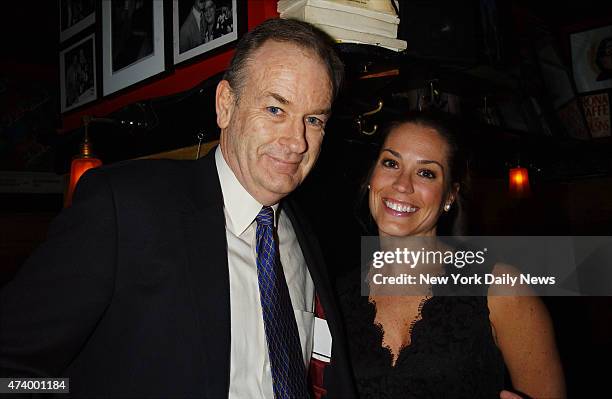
[[368, 186], [447, 207]]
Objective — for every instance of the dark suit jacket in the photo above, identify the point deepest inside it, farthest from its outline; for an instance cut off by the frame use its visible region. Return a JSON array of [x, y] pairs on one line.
[[189, 34], [129, 296]]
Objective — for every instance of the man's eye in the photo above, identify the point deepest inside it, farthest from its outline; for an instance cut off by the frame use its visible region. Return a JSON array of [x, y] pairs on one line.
[[389, 163], [274, 110], [314, 121], [428, 174]]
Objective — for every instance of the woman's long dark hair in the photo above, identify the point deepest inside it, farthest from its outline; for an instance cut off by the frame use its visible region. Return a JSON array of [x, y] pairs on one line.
[[452, 130]]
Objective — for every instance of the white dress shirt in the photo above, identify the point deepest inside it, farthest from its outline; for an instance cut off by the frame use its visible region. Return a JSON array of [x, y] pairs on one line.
[[250, 374]]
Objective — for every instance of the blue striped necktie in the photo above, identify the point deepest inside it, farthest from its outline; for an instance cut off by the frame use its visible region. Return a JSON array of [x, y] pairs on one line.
[[286, 362]]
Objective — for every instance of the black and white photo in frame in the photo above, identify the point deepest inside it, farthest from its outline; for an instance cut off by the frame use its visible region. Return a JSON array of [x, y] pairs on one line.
[[78, 74], [75, 15], [132, 42], [592, 59], [200, 26]]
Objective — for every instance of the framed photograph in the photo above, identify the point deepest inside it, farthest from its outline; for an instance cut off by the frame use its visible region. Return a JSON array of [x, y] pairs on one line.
[[592, 59], [75, 15], [132, 42], [78, 74], [200, 26]]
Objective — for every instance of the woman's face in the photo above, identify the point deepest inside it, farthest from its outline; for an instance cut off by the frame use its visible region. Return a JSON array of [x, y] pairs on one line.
[[408, 184]]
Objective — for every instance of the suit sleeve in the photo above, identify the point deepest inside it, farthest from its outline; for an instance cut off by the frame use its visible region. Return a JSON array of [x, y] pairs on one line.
[[186, 36], [51, 307]]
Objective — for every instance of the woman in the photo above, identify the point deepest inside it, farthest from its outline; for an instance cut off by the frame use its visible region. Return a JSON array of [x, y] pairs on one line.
[[430, 345]]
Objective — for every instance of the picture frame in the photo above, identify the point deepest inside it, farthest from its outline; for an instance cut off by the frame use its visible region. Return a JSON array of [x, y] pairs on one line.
[[78, 74], [75, 16], [591, 52], [132, 43], [189, 42]]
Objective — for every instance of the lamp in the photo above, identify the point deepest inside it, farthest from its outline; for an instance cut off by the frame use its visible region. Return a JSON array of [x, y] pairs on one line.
[[81, 163], [519, 182]]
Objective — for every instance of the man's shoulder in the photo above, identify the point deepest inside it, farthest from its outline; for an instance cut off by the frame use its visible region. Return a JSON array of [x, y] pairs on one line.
[[146, 168], [189, 21], [159, 177]]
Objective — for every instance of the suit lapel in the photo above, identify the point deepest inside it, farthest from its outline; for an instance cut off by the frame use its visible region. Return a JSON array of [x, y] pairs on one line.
[[335, 379], [206, 245], [310, 250]]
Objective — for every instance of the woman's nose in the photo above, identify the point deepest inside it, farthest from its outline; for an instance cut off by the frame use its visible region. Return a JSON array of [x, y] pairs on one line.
[[403, 183]]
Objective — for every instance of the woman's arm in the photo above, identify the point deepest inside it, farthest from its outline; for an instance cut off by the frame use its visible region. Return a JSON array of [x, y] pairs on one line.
[[524, 333]]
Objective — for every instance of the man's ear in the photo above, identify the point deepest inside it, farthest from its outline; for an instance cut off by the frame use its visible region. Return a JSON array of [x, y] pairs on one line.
[[224, 103]]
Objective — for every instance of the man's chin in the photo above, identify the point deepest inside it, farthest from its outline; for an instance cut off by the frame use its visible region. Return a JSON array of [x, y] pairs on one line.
[[281, 184]]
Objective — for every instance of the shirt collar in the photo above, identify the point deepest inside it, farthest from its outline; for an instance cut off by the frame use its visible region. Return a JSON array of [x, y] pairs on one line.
[[240, 207]]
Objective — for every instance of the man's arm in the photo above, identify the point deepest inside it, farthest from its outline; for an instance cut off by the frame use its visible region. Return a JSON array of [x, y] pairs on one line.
[[186, 40], [50, 308]]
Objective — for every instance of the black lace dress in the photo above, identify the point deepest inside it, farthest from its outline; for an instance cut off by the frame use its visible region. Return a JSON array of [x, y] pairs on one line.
[[452, 353]]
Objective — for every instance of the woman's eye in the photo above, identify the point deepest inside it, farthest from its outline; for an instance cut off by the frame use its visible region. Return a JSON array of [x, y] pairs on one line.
[[389, 163], [274, 110], [427, 174]]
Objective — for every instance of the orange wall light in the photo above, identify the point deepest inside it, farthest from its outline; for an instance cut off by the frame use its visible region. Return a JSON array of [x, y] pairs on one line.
[[519, 182], [80, 164]]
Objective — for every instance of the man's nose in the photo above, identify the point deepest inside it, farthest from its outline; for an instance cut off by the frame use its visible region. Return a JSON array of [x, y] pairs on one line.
[[294, 136]]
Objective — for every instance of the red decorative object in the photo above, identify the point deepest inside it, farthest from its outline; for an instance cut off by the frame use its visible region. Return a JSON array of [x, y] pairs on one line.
[[80, 164], [519, 182]]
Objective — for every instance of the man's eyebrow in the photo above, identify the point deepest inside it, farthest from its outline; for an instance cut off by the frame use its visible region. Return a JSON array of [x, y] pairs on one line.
[[326, 111], [277, 97], [284, 101]]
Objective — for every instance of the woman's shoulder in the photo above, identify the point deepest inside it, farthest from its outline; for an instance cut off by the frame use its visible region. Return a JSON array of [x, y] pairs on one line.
[[513, 304]]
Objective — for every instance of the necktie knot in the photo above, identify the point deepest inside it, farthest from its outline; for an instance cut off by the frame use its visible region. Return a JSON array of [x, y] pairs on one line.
[[265, 217]]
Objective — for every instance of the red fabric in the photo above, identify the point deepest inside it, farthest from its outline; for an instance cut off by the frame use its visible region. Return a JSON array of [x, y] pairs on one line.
[[316, 370], [319, 312], [315, 376]]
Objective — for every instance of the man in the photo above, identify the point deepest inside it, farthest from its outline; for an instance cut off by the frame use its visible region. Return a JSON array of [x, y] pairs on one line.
[[193, 29], [157, 281]]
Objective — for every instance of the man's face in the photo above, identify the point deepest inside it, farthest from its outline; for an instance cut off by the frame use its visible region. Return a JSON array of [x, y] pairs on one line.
[[209, 11], [199, 5], [271, 137]]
